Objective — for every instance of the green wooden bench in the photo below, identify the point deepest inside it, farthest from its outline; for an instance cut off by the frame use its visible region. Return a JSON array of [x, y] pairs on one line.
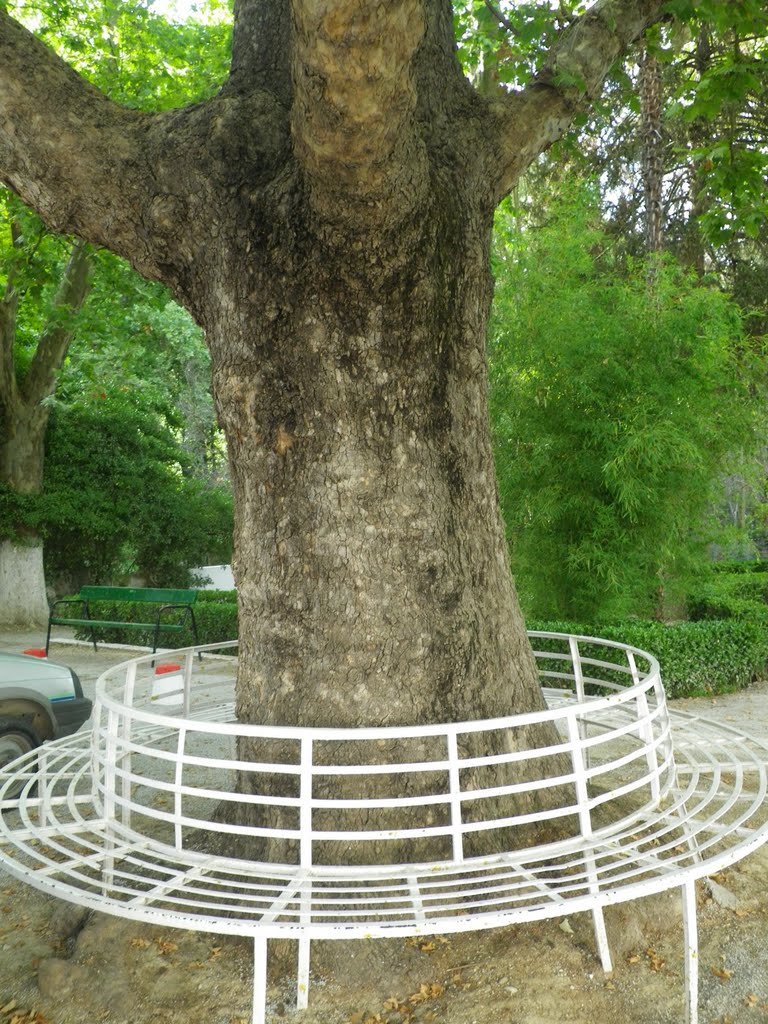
[[179, 602]]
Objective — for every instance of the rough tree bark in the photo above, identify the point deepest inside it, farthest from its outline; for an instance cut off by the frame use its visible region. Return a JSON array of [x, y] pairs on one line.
[[327, 218], [23, 422], [652, 154]]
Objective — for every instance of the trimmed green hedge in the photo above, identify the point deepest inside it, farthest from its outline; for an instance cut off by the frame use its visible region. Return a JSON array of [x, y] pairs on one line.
[[696, 658], [216, 597], [731, 595]]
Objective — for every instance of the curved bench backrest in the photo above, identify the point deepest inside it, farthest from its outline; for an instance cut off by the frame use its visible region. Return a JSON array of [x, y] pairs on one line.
[[424, 794]]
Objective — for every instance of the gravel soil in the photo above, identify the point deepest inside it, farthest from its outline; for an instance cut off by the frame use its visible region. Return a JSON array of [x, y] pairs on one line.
[[59, 966]]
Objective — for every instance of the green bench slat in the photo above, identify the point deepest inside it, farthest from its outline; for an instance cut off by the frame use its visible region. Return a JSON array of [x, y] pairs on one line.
[[56, 621]]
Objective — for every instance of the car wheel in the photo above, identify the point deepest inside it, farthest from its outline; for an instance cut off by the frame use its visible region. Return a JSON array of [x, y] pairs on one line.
[[16, 738]]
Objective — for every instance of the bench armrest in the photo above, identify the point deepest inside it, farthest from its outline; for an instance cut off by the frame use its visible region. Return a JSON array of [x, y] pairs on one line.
[[71, 600], [61, 601], [189, 613]]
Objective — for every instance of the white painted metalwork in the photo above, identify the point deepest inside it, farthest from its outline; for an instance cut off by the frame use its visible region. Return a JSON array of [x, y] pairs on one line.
[[647, 800]]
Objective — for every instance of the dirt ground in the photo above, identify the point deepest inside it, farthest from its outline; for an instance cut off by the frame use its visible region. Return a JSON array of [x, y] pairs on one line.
[[57, 967]]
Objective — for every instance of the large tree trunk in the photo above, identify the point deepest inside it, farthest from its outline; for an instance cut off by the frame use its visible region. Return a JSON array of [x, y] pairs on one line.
[[371, 565], [327, 219], [22, 578], [23, 600], [371, 562]]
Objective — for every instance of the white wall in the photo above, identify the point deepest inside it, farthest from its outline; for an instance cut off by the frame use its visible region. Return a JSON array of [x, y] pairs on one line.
[[220, 577]]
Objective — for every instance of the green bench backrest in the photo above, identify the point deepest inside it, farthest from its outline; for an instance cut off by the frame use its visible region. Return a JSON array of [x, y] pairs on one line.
[[147, 595]]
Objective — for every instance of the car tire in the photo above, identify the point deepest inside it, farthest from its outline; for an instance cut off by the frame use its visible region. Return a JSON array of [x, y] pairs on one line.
[[16, 738]]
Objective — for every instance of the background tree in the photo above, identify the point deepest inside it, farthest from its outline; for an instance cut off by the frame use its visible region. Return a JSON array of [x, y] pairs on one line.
[[119, 46], [619, 400], [691, 150], [31, 354], [710, 70], [133, 340], [117, 500]]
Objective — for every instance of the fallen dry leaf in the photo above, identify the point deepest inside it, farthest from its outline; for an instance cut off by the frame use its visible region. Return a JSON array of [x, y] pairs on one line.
[[722, 973], [425, 992], [655, 961]]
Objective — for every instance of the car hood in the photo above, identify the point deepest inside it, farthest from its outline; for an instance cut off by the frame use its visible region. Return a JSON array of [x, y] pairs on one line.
[[21, 668]]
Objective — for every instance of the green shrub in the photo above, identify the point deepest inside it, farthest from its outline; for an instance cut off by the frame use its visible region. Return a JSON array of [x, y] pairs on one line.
[[756, 565], [732, 595], [696, 658], [216, 620], [216, 597]]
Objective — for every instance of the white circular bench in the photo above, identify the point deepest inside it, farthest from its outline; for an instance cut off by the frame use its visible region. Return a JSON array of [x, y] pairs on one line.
[[649, 800]]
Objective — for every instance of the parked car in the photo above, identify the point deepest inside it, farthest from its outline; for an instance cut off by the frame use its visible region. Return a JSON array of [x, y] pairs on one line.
[[39, 700]]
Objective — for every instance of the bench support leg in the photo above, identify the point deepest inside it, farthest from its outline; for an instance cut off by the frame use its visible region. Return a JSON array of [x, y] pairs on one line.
[[302, 977], [601, 938], [690, 930], [259, 1013]]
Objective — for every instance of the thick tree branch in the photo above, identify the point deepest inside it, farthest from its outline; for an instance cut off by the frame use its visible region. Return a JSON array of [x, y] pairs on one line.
[[8, 386], [9, 304], [68, 151], [355, 97], [148, 187], [499, 16], [530, 121], [56, 336], [261, 48]]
